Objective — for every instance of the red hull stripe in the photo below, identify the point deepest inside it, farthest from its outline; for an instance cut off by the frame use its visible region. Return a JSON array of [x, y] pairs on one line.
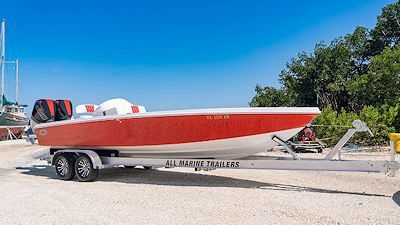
[[145, 131]]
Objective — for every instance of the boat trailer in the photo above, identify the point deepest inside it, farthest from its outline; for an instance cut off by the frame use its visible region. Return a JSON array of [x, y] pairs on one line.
[[86, 163]]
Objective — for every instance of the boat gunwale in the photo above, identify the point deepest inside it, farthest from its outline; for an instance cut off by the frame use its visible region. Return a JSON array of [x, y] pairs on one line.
[[190, 112]]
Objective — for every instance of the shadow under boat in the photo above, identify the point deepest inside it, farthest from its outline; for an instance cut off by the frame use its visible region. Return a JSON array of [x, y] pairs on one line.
[[173, 178]]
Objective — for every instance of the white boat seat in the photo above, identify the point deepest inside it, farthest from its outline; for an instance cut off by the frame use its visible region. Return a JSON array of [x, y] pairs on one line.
[[118, 106]]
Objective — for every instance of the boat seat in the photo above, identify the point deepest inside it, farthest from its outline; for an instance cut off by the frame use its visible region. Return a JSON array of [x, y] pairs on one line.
[[118, 106]]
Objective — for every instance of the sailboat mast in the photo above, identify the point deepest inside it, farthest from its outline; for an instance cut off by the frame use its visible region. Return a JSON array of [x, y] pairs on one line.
[[3, 51], [16, 81]]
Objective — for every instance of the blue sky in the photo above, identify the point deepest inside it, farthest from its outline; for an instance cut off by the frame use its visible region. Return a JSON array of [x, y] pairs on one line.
[[166, 54]]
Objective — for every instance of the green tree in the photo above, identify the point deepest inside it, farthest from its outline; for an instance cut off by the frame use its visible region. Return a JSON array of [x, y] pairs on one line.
[[269, 96], [332, 73], [387, 30], [381, 84], [359, 43], [321, 78]]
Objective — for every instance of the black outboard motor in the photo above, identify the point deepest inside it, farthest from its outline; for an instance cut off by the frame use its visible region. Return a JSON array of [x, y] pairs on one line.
[[63, 110], [44, 111]]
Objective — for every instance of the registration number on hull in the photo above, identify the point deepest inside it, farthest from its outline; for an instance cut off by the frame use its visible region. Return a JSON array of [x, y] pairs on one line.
[[218, 117]]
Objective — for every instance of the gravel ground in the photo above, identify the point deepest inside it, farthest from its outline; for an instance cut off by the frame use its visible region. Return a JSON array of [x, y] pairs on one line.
[[31, 194]]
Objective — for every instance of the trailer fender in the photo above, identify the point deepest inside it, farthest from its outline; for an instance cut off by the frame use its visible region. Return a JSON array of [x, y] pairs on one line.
[[94, 157]]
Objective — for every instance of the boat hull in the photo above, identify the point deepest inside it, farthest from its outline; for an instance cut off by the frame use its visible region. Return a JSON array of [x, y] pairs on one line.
[[216, 134], [9, 119]]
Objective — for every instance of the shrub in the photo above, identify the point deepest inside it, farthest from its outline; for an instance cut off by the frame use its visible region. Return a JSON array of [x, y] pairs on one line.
[[331, 126]]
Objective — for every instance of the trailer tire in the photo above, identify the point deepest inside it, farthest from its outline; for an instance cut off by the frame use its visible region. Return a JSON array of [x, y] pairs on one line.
[[130, 167], [84, 169], [64, 165]]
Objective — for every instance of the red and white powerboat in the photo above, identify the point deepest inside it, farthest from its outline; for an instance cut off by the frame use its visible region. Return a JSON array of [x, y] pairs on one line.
[[117, 133], [221, 133]]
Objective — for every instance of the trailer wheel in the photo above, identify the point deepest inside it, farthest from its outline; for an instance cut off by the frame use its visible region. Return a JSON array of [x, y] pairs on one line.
[[84, 169], [64, 164]]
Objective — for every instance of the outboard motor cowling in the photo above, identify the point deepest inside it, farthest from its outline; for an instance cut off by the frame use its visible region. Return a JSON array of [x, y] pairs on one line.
[[63, 110], [44, 111]]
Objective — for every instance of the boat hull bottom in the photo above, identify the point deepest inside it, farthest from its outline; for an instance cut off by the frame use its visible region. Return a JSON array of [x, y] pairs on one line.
[[230, 148]]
